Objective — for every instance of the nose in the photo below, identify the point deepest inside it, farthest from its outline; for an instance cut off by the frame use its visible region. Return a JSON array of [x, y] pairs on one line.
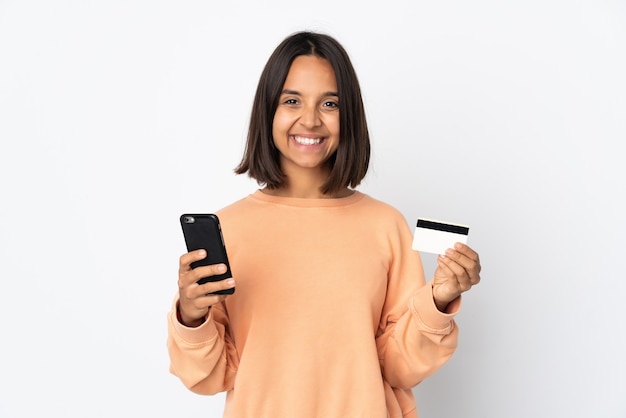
[[310, 117]]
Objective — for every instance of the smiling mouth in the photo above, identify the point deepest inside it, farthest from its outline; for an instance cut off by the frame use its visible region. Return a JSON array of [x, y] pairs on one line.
[[307, 141]]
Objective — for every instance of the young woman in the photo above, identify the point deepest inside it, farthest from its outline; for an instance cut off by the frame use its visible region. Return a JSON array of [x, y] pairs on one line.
[[332, 316]]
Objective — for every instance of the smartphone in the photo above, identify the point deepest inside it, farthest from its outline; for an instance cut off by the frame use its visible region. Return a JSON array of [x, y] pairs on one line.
[[203, 231]]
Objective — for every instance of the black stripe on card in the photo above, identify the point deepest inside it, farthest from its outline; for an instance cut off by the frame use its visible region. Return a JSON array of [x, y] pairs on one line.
[[455, 229]]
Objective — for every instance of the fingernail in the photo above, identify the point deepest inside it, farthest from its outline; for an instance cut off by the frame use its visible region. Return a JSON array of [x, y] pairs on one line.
[[231, 282], [221, 268], [449, 251], [458, 245], [202, 253]]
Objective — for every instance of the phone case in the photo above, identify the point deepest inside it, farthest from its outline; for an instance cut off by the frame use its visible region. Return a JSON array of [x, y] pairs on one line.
[[203, 231]]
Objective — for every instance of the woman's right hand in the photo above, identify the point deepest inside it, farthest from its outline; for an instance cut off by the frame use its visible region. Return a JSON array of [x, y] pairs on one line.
[[195, 299]]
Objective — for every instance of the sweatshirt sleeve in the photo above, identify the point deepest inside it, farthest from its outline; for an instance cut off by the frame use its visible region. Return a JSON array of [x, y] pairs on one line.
[[414, 338], [203, 358]]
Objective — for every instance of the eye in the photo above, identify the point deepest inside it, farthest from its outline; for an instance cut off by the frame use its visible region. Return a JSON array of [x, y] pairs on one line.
[[331, 104], [290, 101]]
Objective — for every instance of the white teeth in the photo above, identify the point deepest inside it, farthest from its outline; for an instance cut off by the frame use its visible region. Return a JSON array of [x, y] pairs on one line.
[[307, 141]]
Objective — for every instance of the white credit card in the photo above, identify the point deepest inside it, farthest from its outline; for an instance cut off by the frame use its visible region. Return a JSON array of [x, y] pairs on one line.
[[436, 237]]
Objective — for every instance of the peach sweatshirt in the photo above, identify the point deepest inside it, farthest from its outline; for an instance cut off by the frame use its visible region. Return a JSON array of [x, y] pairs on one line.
[[331, 317]]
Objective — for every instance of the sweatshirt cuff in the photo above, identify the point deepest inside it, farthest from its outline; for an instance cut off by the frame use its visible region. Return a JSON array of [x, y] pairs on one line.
[[204, 333], [423, 306]]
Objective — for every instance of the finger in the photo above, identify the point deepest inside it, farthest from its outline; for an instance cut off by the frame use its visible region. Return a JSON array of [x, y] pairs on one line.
[[206, 301], [468, 252], [212, 287], [207, 271], [184, 263], [456, 272], [196, 294], [189, 277], [194, 309], [205, 296], [446, 275], [469, 261]]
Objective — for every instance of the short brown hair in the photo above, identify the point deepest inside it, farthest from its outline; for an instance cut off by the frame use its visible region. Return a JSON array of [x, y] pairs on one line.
[[349, 163]]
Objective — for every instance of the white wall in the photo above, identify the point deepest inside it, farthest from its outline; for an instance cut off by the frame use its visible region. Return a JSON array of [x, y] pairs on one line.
[[117, 116]]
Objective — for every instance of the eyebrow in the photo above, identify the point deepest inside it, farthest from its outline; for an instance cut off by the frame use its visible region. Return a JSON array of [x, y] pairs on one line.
[[297, 93]]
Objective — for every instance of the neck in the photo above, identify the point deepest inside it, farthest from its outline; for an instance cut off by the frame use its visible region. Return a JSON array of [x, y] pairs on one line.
[[305, 182], [307, 187], [311, 194]]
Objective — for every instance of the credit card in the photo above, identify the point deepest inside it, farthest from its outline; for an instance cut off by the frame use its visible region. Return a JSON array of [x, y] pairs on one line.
[[436, 237]]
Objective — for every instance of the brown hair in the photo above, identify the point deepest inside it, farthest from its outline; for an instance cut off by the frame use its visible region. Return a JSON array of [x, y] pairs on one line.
[[349, 164]]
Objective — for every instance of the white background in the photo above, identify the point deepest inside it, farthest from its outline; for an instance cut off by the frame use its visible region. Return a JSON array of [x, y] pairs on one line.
[[118, 116]]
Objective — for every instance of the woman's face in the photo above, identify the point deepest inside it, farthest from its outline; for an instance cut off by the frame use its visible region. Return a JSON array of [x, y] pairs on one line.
[[306, 122]]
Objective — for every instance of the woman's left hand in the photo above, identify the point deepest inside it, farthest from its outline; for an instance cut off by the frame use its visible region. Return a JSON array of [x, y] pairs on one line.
[[457, 271]]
